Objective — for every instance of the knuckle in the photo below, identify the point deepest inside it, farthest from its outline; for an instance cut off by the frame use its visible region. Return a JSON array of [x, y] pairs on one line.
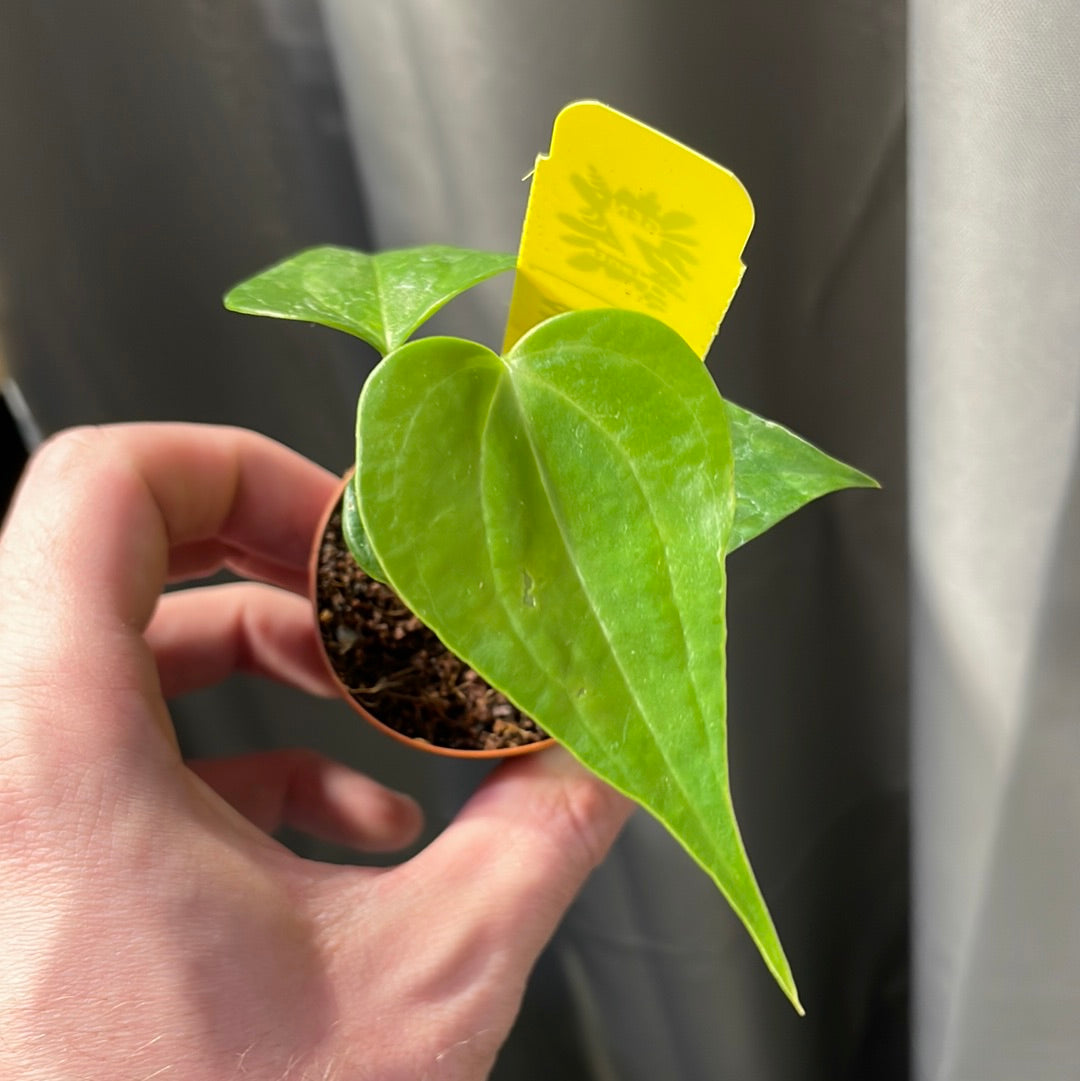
[[66, 448], [572, 821], [582, 816], [62, 460]]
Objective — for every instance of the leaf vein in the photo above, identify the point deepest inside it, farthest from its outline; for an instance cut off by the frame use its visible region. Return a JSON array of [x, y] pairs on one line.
[[718, 751], [560, 524]]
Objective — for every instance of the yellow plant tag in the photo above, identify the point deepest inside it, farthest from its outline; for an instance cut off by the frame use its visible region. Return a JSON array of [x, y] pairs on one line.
[[621, 216]]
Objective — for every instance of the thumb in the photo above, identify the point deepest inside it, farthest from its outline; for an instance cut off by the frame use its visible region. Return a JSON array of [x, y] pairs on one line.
[[523, 845]]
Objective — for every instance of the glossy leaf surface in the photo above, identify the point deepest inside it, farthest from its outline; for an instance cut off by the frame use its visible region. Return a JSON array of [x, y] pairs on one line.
[[559, 517], [777, 472], [381, 298], [352, 529]]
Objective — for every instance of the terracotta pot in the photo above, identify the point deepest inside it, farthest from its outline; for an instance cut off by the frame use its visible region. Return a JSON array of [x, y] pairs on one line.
[[343, 690]]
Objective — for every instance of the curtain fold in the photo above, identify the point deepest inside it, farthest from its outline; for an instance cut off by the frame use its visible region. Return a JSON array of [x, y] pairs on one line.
[[994, 386]]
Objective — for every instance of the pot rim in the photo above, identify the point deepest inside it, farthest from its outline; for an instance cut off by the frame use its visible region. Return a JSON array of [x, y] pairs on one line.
[[343, 690]]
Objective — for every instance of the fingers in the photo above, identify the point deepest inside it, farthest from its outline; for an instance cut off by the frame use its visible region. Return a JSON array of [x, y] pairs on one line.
[[100, 510], [316, 795], [523, 845], [200, 636], [200, 559]]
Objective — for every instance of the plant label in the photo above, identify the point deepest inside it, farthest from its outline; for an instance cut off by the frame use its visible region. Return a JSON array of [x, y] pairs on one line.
[[622, 216]]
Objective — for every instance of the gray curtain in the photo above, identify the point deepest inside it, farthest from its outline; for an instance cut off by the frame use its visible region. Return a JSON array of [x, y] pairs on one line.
[[994, 391], [155, 153]]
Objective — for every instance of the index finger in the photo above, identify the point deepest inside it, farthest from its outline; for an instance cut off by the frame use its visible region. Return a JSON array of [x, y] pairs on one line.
[[100, 509]]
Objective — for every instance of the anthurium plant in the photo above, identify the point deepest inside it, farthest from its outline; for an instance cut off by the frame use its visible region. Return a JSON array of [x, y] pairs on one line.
[[560, 516]]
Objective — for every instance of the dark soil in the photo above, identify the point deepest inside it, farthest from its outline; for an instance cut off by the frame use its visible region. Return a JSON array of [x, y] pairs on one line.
[[398, 670]]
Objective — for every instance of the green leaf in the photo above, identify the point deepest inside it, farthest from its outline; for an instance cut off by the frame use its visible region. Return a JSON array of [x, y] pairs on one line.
[[777, 472], [381, 298], [352, 529], [559, 518]]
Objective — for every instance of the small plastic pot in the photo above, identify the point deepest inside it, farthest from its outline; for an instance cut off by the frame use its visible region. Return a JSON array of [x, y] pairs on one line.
[[343, 690]]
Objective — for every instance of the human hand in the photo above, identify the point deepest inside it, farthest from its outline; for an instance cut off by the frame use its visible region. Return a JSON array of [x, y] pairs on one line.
[[149, 927]]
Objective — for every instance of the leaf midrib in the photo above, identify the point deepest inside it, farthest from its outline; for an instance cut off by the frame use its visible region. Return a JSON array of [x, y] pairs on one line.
[[560, 525], [381, 299], [718, 752]]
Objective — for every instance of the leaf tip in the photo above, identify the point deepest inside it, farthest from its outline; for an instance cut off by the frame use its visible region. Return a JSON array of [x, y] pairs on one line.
[[230, 300], [781, 971], [859, 479], [787, 985]]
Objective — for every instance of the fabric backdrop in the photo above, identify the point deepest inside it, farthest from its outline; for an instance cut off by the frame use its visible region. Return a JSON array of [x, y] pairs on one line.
[[994, 389], [154, 154]]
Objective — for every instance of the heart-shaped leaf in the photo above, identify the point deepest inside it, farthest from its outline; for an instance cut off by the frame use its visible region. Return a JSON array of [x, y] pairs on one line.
[[777, 472], [559, 517], [381, 298]]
